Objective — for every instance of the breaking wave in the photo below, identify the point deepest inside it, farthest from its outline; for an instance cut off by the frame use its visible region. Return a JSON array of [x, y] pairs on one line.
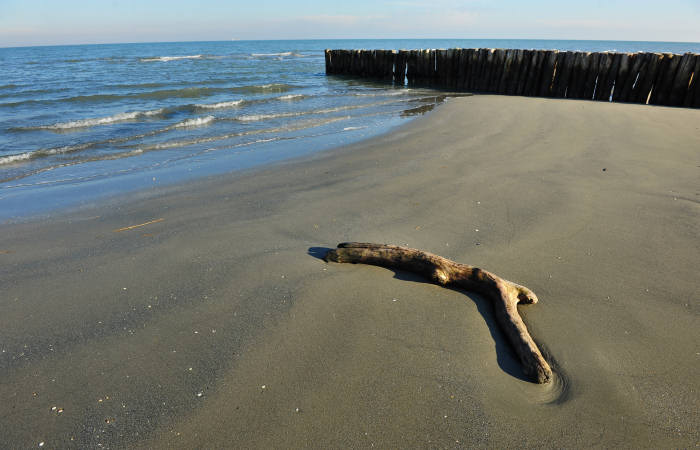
[[86, 123], [275, 55], [221, 105], [169, 58], [291, 97], [161, 94], [264, 88], [9, 159], [196, 122]]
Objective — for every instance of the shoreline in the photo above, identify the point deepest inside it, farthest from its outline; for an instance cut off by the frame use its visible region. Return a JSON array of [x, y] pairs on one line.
[[220, 326]]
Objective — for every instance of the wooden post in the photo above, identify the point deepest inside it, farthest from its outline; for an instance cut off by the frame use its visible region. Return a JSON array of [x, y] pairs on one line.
[[337, 59], [565, 64], [448, 66], [353, 62], [441, 68], [342, 62], [626, 59], [533, 75], [503, 73], [461, 64], [458, 67], [387, 65], [591, 76], [558, 71], [626, 91], [642, 69], [580, 76], [574, 81], [400, 67], [547, 74], [524, 59], [491, 81], [696, 95], [694, 87], [367, 63], [464, 68], [431, 62], [475, 69], [679, 88], [411, 66], [423, 67], [664, 79], [507, 70], [375, 63], [499, 63], [468, 67], [347, 58], [612, 75], [647, 77], [482, 67], [604, 77], [488, 70]]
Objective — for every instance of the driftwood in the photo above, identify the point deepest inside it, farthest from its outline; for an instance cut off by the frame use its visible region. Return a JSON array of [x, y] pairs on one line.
[[504, 294]]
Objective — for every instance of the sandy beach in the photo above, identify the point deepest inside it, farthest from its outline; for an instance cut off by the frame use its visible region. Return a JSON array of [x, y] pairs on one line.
[[217, 324]]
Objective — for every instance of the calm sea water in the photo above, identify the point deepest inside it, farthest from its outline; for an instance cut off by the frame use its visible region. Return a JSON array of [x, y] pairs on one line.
[[81, 122]]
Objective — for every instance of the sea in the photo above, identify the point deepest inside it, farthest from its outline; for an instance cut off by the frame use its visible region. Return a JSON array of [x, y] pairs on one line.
[[82, 123]]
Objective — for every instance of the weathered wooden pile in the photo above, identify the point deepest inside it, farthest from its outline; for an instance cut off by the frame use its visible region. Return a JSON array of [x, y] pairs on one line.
[[653, 78]]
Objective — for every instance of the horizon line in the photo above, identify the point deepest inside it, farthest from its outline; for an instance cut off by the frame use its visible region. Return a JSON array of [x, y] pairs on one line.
[[340, 39]]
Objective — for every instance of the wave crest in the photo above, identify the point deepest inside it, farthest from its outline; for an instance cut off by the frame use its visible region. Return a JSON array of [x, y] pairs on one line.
[[196, 122], [275, 55], [169, 58], [220, 105], [86, 123]]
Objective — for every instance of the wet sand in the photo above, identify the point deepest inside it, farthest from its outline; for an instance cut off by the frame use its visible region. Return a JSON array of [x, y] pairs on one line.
[[220, 326]]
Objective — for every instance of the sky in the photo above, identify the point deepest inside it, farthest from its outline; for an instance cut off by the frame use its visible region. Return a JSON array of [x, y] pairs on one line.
[[57, 22]]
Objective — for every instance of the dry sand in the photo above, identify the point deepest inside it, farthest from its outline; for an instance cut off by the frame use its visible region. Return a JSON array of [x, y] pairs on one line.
[[219, 326]]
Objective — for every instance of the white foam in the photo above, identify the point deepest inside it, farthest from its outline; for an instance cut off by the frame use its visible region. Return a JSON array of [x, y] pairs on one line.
[[258, 117], [383, 93], [42, 152], [291, 97], [16, 158], [170, 58], [353, 128], [221, 105], [272, 54], [196, 122], [85, 123]]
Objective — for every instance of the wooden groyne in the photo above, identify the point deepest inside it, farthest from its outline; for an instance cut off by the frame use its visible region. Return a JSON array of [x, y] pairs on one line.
[[648, 78]]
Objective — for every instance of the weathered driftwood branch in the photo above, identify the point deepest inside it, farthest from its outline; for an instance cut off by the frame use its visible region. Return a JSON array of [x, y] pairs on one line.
[[504, 294]]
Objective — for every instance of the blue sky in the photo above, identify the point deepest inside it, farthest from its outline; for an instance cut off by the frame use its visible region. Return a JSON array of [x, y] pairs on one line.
[[42, 22]]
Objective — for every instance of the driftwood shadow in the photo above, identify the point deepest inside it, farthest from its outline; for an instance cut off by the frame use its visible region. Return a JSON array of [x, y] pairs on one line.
[[505, 356]]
